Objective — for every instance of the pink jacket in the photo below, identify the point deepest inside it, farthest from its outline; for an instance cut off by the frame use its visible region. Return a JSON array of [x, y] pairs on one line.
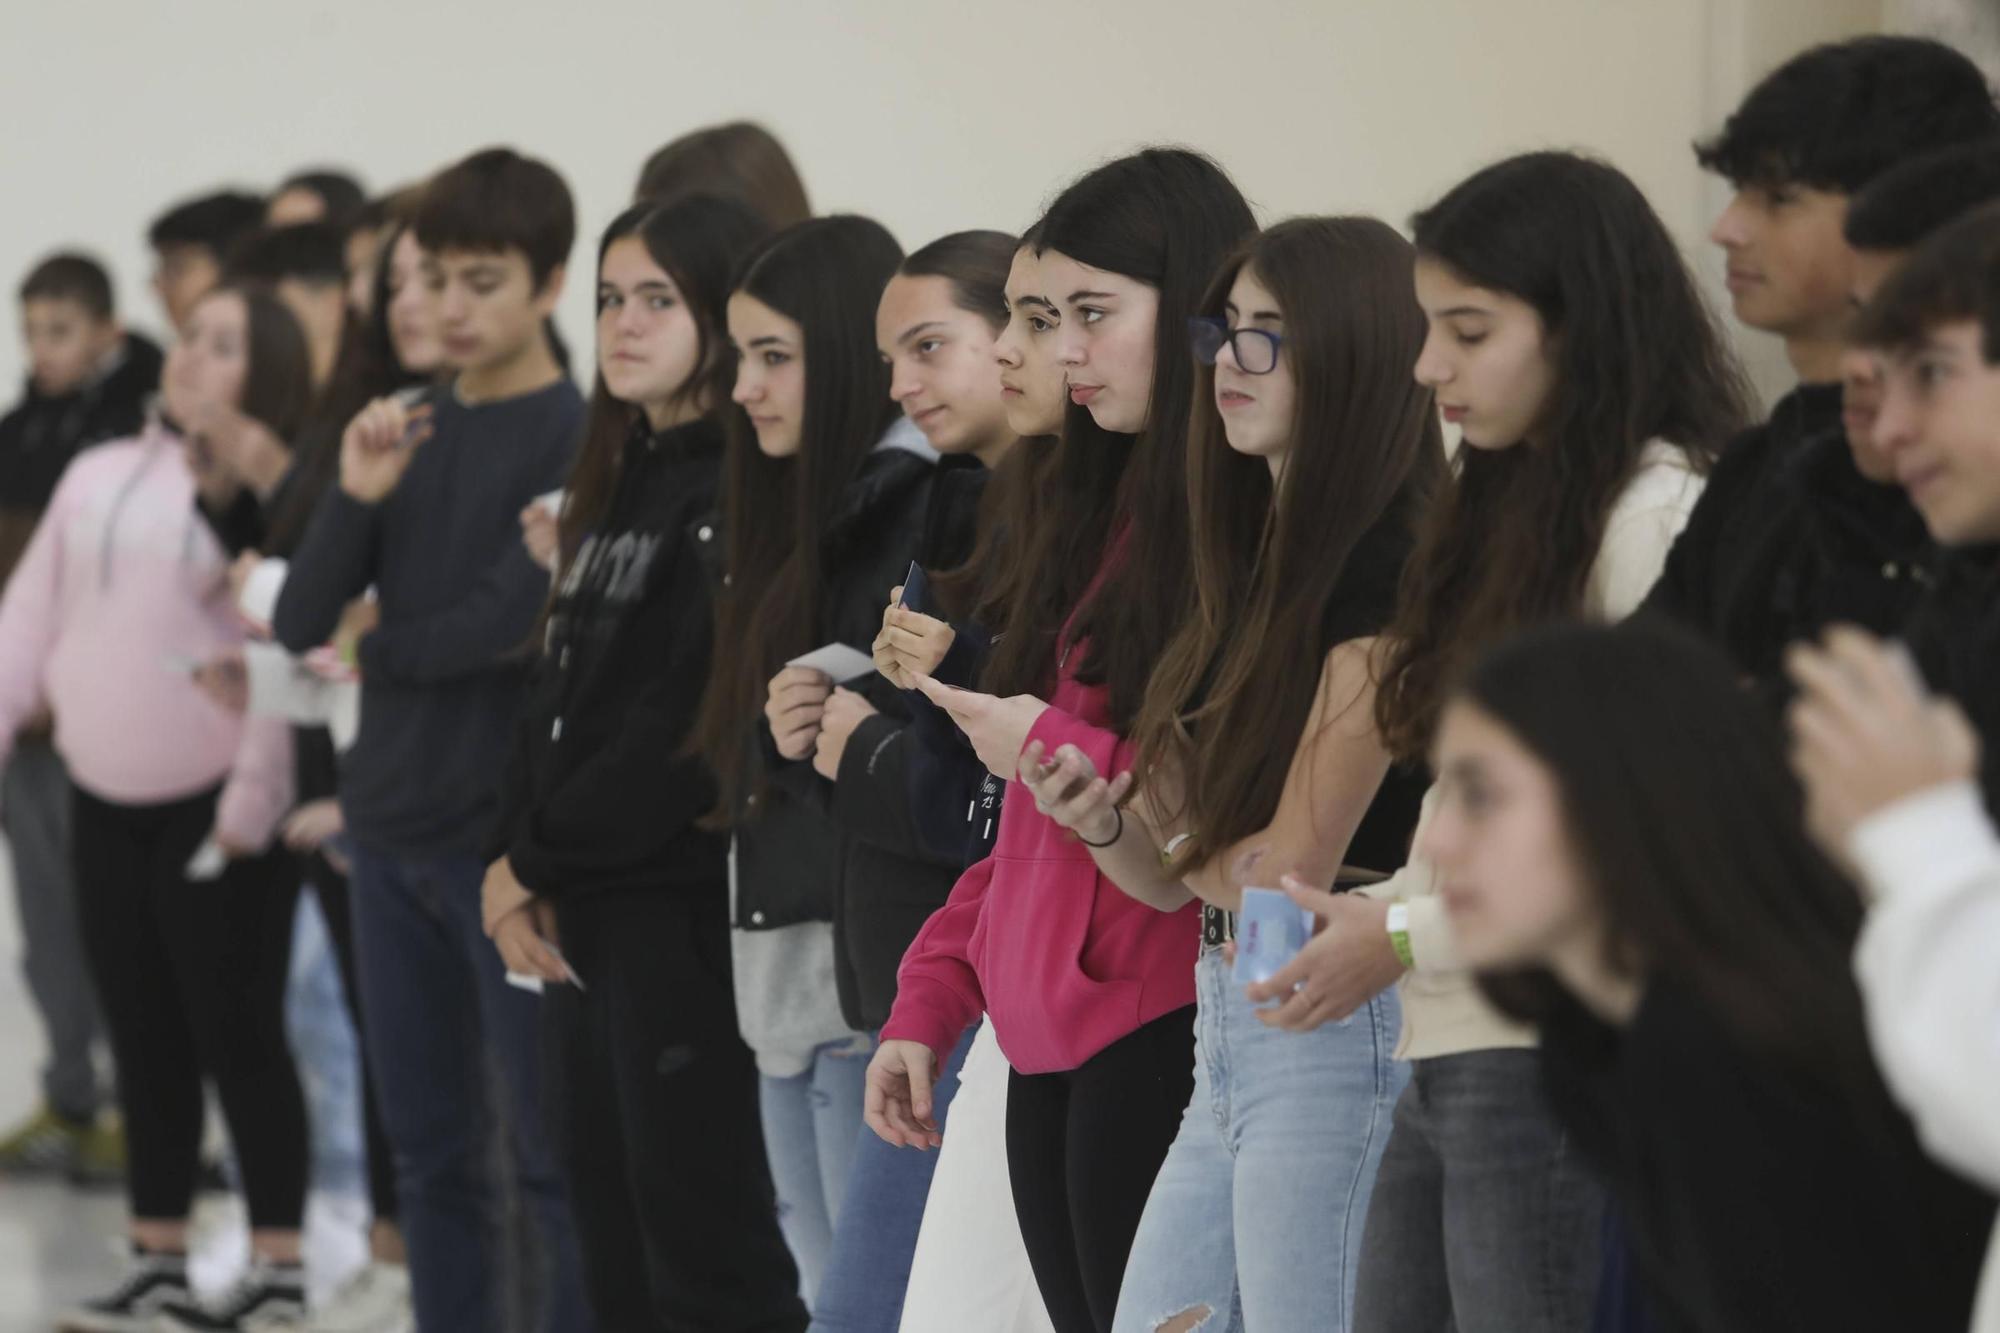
[[121, 587], [1061, 960]]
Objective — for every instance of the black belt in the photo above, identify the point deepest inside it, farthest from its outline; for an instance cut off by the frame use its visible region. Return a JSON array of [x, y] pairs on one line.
[[1218, 927]]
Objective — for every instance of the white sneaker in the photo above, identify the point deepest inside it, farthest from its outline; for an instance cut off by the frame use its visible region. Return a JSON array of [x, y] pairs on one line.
[[375, 1300]]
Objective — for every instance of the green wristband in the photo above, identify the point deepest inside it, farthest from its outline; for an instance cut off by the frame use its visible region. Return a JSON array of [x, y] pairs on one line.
[[1399, 935]]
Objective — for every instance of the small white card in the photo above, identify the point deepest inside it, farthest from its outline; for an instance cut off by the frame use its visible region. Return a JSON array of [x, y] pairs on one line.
[[207, 863], [552, 502], [837, 662]]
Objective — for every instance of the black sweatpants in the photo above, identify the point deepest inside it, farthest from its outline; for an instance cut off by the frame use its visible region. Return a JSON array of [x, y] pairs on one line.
[[191, 975], [1083, 1148], [653, 1098]]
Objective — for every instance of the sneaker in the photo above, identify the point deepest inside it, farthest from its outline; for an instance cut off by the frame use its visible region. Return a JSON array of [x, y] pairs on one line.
[[375, 1300], [268, 1298], [45, 1144], [150, 1284], [100, 1154]]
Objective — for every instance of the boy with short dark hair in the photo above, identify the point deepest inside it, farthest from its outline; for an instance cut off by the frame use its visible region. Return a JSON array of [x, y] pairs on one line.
[[1801, 523], [88, 381], [192, 240], [427, 512]]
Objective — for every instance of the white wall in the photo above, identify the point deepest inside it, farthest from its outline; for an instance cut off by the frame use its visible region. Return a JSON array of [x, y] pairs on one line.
[[930, 114]]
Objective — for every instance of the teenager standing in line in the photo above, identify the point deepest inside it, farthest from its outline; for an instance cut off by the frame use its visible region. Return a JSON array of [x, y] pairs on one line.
[[1309, 424], [1090, 993], [824, 491], [654, 1094]]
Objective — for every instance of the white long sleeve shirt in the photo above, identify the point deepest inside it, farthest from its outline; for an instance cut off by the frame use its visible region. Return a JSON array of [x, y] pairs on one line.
[[1929, 966]]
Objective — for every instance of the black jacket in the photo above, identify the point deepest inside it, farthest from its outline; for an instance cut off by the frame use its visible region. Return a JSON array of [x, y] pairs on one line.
[[1757, 1199], [1955, 635], [598, 795], [45, 431], [1789, 538], [796, 858]]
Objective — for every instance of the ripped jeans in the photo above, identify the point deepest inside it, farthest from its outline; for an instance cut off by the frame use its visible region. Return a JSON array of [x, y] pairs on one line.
[[1255, 1220], [812, 1124]]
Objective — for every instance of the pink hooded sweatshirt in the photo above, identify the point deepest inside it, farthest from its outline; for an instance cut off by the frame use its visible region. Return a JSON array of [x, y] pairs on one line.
[[121, 588], [1062, 960]]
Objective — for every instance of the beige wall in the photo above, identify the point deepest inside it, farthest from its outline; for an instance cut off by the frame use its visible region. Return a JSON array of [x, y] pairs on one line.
[[931, 114]]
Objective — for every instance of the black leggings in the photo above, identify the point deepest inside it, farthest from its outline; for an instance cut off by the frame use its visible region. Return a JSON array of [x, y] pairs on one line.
[[653, 1098], [191, 975], [1083, 1148]]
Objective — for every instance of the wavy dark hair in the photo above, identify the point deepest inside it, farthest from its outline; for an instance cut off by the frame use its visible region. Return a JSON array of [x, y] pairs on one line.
[[1236, 685], [699, 241], [826, 275], [1689, 827], [1512, 536], [1166, 217]]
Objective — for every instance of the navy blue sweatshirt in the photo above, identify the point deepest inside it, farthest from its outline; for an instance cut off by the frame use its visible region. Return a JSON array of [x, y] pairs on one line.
[[442, 677]]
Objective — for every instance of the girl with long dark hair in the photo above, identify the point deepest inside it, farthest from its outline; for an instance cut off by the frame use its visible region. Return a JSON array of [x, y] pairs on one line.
[[1090, 993], [604, 857], [1312, 454], [1623, 859], [824, 491]]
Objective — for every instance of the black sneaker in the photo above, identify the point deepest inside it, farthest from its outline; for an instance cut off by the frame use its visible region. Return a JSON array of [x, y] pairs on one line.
[[151, 1283], [268, 1298]]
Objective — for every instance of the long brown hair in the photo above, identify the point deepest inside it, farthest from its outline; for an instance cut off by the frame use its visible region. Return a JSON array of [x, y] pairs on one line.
[[1514, 533], [1165, 217], [698, 241], [1269, 561], [826, 275], [739, 160]]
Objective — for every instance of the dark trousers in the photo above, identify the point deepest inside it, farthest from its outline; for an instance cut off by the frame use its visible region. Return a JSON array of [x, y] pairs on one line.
[[192, 975], [441, 1019], [654, 1102], [336, 906], [1083, 1148]]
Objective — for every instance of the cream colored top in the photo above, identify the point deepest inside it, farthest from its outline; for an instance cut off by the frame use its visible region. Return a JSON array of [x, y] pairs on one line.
[[1443, 1011]]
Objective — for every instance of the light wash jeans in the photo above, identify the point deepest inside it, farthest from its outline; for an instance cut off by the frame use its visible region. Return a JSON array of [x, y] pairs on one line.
[[812, 1122], [1257, 1213]]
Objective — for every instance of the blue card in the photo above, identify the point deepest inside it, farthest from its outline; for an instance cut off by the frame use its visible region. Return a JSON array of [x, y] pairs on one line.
[[1270, 931], [917, 591]]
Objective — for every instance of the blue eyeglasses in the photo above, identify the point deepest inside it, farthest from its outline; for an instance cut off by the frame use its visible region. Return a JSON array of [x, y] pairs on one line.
[[1255, 350]]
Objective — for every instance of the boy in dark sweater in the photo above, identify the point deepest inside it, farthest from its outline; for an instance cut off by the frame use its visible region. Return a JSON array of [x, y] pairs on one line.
[[89, 382], [426, 512], [1801, 525]]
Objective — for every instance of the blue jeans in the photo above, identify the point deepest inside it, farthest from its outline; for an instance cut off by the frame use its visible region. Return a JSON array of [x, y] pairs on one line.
[[875, 1233], [439, 1009], [1258, 1211], [323, 1043], [1484, 1218], [812, 1124]]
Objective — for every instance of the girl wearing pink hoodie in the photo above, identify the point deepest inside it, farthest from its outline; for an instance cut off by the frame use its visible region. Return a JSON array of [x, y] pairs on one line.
[[184, 908], [1090, 993]]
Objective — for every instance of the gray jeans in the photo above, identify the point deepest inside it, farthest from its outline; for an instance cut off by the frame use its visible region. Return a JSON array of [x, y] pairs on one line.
[[34, 808], [1483, 1220]]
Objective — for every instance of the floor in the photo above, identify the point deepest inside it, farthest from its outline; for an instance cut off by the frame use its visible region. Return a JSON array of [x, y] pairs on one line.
[[58, 1244]]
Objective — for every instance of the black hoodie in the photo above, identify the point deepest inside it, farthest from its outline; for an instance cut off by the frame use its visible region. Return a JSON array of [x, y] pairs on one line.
[[1789, 538], [45, 431], [598, 796], [1955, 636]]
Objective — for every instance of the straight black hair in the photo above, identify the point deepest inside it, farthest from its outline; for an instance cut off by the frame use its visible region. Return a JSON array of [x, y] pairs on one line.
[[342, 194], [1838, 115], [314, 252], [1953, 276], [1166, 217], [826, 275]]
